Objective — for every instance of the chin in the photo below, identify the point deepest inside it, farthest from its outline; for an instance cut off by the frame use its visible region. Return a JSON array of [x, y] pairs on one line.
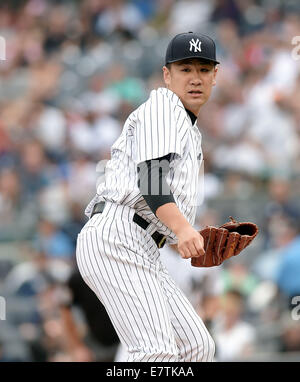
[[197, 105], [200, 103], [194, 105]]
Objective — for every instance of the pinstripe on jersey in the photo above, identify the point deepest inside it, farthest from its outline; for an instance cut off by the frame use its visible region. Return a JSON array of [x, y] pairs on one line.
[[159, 126], [121, 264]]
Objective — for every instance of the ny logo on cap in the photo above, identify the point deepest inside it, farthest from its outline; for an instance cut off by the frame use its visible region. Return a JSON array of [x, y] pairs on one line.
[[196, 45]]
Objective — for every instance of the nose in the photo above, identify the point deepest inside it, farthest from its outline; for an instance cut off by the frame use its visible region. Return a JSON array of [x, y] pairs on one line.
[[196, 80]]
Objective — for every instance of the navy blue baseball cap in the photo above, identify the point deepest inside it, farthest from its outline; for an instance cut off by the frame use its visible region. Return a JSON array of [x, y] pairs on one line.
[[191, 45]]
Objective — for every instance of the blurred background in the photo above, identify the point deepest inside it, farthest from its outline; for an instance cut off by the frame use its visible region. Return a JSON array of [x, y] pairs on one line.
[[73, 72]]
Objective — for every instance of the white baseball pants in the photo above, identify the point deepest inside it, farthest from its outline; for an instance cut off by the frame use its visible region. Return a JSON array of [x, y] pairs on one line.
[[120, 262]]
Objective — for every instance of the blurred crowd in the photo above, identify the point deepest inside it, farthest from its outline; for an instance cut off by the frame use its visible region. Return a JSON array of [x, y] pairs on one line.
[[73, 72]]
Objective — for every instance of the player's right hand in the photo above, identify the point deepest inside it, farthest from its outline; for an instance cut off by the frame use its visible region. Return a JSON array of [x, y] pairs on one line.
[[190, 243]]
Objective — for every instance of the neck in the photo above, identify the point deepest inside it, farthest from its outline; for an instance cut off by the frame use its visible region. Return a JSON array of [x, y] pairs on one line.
[[192, 115]]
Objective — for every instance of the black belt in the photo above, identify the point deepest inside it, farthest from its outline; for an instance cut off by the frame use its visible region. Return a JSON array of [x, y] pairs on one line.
[[156, 236]]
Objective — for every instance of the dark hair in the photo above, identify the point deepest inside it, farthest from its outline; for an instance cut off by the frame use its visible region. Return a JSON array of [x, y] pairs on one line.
[[168, 65]]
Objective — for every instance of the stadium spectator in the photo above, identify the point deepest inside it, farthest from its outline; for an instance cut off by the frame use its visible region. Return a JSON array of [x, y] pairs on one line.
[[74, 70]]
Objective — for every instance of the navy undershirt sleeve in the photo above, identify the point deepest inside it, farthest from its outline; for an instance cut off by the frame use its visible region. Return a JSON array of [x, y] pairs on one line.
[[152, 178], [152, 181]]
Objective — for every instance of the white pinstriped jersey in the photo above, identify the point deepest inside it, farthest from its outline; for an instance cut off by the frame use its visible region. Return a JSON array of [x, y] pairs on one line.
[[158, 127]]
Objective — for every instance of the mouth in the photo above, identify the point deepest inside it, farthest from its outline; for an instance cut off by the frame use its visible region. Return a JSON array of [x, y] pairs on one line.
[[195, 92]]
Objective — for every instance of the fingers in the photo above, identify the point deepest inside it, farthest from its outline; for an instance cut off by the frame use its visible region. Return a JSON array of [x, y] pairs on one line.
[[193, 248], [184, 253], [198, 249], [187, 252]]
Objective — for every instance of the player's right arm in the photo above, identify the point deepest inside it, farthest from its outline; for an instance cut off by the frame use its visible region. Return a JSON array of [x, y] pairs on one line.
[[159, 137], [190, 242]]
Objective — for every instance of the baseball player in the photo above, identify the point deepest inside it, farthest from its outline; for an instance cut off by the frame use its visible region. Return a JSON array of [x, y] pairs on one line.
[[149, 198]]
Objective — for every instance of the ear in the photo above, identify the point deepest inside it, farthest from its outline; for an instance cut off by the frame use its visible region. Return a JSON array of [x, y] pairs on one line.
[[215, 74], [167, 75]]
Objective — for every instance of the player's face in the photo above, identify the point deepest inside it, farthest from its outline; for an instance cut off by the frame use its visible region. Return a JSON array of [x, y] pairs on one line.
[[192, 80]]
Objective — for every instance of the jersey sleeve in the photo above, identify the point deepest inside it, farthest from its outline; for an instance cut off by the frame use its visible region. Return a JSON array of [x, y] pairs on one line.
[[160, 129]]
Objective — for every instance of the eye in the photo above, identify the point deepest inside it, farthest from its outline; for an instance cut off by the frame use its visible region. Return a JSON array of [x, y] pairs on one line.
[[204, 70], [185, 70]]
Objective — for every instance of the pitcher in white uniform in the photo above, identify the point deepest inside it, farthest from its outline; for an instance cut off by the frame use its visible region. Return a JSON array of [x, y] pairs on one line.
[[149, 198]]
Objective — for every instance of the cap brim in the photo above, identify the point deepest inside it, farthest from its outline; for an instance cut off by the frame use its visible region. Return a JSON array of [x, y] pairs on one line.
[[200, 58]]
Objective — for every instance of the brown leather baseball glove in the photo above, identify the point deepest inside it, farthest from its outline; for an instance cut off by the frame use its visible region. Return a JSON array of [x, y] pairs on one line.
[[220, 243]]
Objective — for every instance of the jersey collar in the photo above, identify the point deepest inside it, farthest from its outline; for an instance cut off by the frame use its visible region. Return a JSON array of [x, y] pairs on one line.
[[176, 100]]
